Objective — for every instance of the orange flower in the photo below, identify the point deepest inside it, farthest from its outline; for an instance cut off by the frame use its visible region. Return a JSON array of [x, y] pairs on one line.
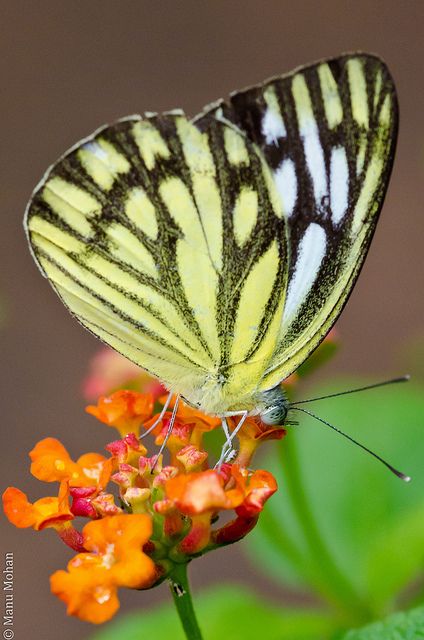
[[254, 429], [86, 591], [200, 495], [201, 492], [213, 490], [51, 462], [256, 487], [127, 450], [251, 435], [192, 458], [188, 428], [114, 559], [124, 410], [91, 502], [180, 435], [189, 414], [46, 512]]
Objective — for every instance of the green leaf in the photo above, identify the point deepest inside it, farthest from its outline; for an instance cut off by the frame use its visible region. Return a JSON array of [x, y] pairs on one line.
[[360, 508], [232, 612], [400, 626], [320, 356], [396, 558]]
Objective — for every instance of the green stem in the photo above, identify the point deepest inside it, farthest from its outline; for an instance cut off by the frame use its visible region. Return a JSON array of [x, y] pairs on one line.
[[332, 582], [180, 589]]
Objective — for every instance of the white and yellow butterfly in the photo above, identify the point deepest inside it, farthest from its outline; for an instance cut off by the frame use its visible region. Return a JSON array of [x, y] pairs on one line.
[[217, 252]]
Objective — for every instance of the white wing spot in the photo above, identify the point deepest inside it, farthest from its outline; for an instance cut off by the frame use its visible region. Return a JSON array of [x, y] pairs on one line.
[[339, 184], [286, 183], [308, 130], [273, 126], [315, 160], [96, 150], [310, 255]]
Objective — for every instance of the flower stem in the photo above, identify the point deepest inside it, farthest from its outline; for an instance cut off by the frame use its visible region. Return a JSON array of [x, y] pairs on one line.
[[180, 589], [331, 580]]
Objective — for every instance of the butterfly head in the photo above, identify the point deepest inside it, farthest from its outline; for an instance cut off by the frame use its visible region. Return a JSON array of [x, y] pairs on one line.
[[273, 406]]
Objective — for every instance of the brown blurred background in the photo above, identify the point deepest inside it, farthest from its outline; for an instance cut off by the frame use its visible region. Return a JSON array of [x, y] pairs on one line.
[[68, 67]]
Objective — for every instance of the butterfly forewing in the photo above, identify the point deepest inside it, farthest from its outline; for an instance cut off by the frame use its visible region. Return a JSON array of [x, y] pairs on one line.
[[167, 240], [328, 133], [217, 253]]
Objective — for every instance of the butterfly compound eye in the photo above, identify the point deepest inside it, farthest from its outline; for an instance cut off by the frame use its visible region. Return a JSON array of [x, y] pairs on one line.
[[274, 416], [273, 406]]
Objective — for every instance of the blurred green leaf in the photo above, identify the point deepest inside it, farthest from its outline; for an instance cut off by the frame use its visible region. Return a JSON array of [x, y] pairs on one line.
[[320, 356], [360, 508], [232, 612], [400, 626], [396, 558]]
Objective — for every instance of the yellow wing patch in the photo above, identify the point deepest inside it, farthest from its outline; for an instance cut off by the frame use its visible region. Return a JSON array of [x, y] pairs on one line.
[[150, 143], [235, 147], [73, 205], [358, 92], [331, 97], [245, 215], [141, 212], [128, 249], [103, 162], [254, 297]]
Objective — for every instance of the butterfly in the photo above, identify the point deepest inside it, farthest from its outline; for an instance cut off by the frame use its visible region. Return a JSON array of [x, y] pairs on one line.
[[217, 252]]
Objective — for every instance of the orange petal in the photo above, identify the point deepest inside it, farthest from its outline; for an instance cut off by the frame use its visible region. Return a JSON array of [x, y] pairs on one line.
[[134, 569], [197, 493], [51, 462], [95, 470], [123, 530], [87, 594], [125, 410], [18, 510], [203, 421], [46, 512]]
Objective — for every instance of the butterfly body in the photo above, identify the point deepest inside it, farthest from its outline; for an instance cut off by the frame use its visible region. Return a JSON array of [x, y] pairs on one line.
[[217, 252]]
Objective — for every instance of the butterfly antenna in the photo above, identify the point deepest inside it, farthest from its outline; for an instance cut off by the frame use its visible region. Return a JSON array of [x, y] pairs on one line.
[[343, 393], [397, 473]]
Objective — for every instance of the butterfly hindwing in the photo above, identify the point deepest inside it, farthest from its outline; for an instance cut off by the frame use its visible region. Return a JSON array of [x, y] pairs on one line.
[[328, 132], [166, 240]]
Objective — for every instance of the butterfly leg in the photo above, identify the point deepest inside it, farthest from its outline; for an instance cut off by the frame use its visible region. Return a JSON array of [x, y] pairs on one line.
[[227, 450], [226, 431], [168, 431], [239, 425], [162, 413]]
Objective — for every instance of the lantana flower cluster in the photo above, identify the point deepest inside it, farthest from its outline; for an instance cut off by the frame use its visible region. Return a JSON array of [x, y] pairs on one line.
[[144, 513]]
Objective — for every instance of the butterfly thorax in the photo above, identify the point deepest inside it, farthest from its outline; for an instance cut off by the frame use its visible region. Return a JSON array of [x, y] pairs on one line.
[[271, 405], [212, 395]]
